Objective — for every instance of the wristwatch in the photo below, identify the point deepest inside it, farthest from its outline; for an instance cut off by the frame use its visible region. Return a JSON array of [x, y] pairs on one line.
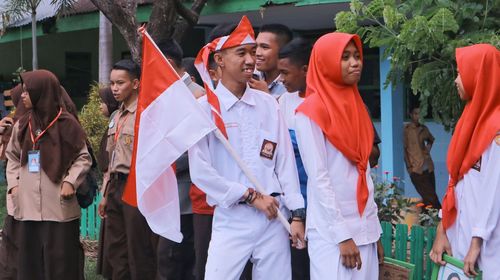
[[299, 213]]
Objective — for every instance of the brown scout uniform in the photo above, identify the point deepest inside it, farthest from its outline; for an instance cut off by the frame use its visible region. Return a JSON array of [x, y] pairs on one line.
[[129, 242], [419, 162], [49, 226]]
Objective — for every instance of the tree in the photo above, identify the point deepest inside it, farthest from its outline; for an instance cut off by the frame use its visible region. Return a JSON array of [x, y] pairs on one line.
[[13, 10], [163, 22], [420, 37]]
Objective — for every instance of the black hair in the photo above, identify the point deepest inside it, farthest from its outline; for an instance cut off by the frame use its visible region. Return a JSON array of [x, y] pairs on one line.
[[282, 32], [454, 274], [220, 30], [171, 49], [188, 65], [133, 69], [298, 51]]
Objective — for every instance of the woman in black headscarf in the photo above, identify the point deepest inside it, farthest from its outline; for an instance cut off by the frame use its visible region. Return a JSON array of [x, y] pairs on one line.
[[47, 161]]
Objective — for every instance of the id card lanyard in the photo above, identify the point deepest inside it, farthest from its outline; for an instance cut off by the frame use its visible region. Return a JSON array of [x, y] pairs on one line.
[[34, 155], [117, 135]]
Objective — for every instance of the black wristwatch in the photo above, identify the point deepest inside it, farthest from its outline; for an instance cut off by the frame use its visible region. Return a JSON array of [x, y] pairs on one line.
[[299, 213]]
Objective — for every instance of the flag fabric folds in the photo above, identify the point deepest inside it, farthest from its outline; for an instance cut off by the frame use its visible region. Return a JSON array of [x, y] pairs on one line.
[[169, 121]]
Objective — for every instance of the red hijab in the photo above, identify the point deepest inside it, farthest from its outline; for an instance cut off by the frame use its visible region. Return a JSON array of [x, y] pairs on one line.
[[479, 68], [337, 108]]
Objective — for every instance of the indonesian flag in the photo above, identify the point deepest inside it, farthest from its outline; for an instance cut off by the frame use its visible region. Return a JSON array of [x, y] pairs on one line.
[[168, 122]]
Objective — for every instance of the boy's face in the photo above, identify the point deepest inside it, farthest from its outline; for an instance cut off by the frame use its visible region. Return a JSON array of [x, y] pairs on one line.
[[237, 63], [415, 115], [267, 51], [292, 75], [122, 84]]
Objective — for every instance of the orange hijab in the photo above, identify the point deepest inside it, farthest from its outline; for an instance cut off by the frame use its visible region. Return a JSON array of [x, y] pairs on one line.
[[337, 108], [479, 68]]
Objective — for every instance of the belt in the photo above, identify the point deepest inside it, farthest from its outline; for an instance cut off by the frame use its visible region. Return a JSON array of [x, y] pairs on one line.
[[118, 176], [274, 194]]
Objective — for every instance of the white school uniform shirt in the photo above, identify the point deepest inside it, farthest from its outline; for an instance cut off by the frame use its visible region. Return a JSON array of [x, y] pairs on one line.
[[249, 121], [477, 198], [289, 102], [332, 208]]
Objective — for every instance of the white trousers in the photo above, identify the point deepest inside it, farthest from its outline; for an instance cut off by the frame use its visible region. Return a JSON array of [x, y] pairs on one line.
[[326, 262], [240, 233]]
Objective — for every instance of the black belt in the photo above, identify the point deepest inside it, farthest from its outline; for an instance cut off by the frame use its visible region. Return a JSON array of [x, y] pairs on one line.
[[274, 194], [118, 176]]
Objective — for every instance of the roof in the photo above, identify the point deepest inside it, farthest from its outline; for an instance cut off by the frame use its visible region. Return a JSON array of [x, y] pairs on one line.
[[46, 10]]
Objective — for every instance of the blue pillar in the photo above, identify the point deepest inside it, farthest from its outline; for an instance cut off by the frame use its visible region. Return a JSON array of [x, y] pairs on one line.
[[392, 114]]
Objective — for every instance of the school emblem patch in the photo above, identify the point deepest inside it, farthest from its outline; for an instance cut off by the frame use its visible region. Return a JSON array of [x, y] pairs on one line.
[[477, 165], [268, 148]]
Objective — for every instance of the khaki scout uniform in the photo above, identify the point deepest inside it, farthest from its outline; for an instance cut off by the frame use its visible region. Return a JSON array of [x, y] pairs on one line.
[[129, 242], [48, 226]]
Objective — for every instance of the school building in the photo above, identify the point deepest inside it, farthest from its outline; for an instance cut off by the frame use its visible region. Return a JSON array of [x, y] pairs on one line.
[[69, 47]]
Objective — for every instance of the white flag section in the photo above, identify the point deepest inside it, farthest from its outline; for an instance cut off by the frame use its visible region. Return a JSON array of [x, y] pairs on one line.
[[169, 121], [168, 127]]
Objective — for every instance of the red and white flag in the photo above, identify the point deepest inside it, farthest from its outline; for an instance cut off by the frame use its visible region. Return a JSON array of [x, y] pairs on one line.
[[169, 121]]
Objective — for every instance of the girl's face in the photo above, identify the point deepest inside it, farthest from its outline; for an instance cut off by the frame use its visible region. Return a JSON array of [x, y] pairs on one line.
[[460, 88], [25, 97], [104, 109], [351, 64]]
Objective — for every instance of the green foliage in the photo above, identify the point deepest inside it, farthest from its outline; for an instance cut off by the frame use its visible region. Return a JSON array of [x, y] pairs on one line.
[[91, 118], [392, 206], [420, 37], [17, 75]]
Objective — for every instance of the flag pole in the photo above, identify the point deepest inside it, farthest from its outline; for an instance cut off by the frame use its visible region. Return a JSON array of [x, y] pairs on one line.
[[248, 173]]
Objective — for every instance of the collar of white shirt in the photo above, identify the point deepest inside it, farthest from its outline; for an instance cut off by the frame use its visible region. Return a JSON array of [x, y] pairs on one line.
[[228, 99]]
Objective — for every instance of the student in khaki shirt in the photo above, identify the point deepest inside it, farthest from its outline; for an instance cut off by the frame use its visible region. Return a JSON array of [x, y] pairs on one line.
[[128, 241], [8, 244], [47, 161], [417, 147]]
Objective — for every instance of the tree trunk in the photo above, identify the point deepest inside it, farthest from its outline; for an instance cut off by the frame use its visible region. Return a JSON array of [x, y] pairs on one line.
[[105, 48], [33, 40]]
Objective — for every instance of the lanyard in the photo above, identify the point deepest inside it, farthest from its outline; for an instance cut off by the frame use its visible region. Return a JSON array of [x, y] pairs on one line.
[[35, 139], [119, 127]]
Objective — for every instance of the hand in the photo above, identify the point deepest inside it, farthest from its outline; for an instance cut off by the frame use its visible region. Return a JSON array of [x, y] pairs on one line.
[[258, 84], [380, 252], [471, 257], [13, 190], [441, 245], [349, 252], [67, 190], [297, 234], [101, 208], [6, 122], [267, 204]]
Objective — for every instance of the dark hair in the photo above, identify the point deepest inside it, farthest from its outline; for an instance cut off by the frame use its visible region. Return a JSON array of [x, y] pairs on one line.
[[188, 65], [133, 69], [220, 30], [282, 32], [298, 51], [171, 49], [454, 274]]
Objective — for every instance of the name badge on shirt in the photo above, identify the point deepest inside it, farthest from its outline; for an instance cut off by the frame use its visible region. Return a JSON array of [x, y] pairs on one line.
[[268, 148], [34, 161]]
